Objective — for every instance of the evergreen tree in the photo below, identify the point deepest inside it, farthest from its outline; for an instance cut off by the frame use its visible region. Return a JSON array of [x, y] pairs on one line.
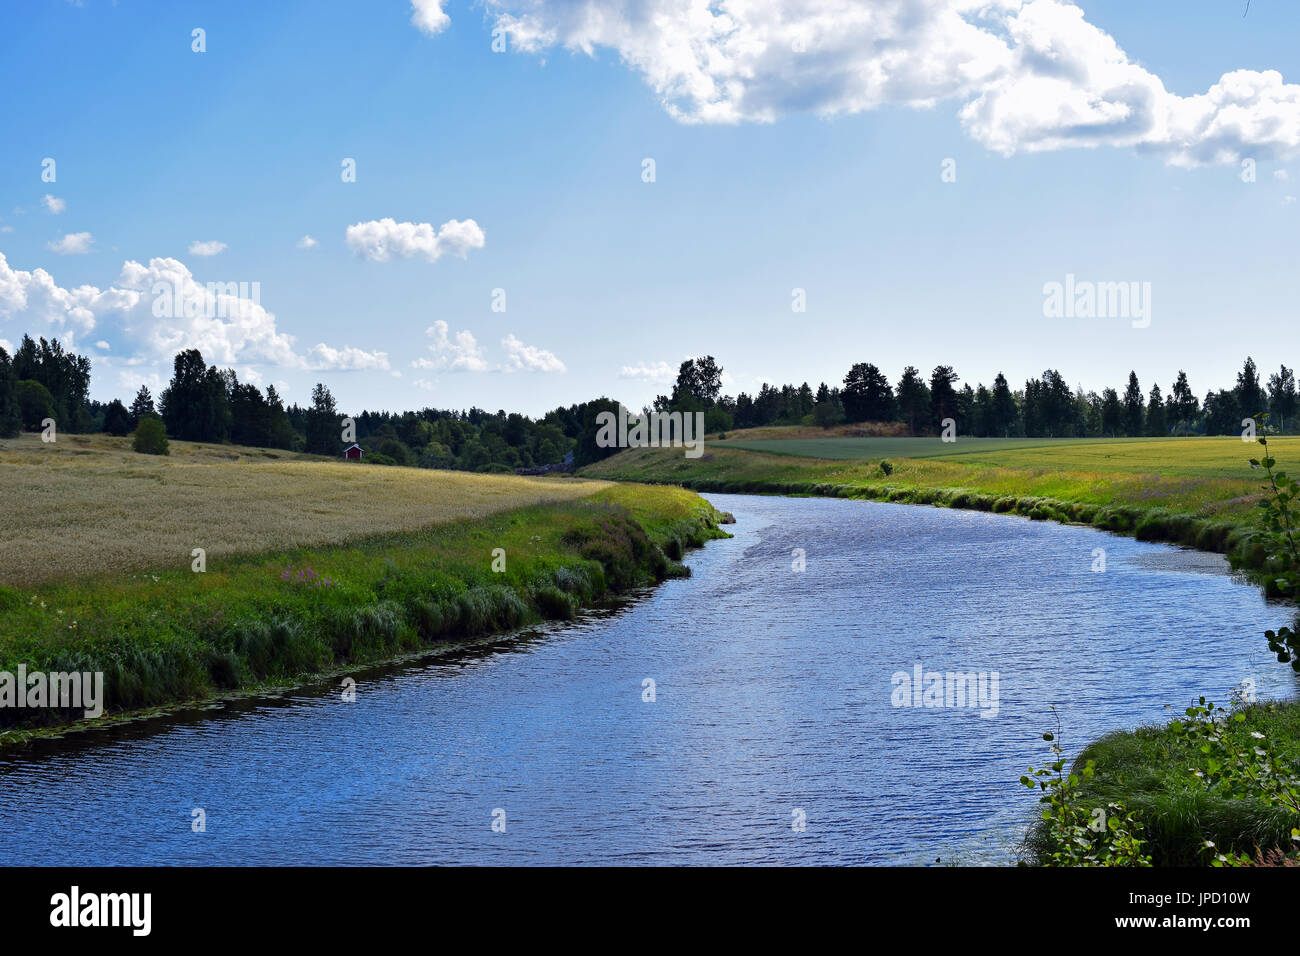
[[1112, 412], [1248, 393], [1281, 397], [117, 420], [10, 417], [1005, 414], [867, 396], [943, 397], [1184, 404], [1155, 417], [1133, 407], [913, 400], [324, 425], [143, 405]]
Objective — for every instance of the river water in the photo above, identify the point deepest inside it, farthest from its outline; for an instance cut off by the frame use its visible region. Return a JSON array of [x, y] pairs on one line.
[[775, 733]]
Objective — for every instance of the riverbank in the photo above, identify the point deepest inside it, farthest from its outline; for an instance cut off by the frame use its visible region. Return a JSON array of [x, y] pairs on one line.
[[1203, 506], [1160, 774], [286, 616]]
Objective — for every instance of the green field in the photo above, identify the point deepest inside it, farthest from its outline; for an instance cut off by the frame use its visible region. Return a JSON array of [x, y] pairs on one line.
[[275, 610], [1223, 457], [1198, 492]]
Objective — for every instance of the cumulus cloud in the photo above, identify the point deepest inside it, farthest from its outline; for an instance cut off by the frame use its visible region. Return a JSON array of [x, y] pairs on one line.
[[53, 204], [528, 358], [452, 353], [307, 242], [1030, 75], [73, 244], [428, 16], [209, 248], [381, 239], [36, 295], [346, 359], [160, 309], [656, 372], [462, 352]]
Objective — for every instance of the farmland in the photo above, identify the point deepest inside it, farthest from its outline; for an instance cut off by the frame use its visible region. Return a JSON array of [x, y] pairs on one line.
[[87, 504], [1199, 492], [1184, 457], [310, 565]]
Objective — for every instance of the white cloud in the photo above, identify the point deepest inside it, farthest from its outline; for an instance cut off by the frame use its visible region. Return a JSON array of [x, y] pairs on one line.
[[658, 372], [1033, 75], [462, 352], [36, 295], [346, 359], [53, 204], [307, 242], [1281, 174], [7, 346], [160, 309], [527, 358], [458, 353], [380, 239], [101, 344], [209, 248], [73, 244], [428, 16]]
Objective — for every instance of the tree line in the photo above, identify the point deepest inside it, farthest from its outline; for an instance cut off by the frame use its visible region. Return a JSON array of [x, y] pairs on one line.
[[204, 403], [1045, 407]]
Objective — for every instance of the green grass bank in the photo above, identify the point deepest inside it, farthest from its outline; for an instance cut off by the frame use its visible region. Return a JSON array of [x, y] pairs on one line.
[[272, 619]]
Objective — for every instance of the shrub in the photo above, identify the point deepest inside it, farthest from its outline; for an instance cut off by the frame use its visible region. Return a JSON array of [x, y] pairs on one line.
[[150, 437], [35, 404], [554, 603]]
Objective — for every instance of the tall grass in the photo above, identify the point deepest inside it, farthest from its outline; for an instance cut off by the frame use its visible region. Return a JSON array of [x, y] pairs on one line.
[[171, 636]]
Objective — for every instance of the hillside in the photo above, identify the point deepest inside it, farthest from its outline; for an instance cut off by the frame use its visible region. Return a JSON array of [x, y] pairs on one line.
[[88, 504]]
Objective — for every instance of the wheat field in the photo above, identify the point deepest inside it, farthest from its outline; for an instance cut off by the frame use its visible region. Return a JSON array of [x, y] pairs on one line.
[[86, 505]]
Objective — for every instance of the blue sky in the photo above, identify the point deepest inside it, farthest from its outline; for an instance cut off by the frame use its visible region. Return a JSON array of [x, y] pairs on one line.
[[809, 177]]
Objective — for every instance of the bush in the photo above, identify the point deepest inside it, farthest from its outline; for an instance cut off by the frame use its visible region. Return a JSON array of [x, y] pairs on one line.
[[35, 404], [150, 437]]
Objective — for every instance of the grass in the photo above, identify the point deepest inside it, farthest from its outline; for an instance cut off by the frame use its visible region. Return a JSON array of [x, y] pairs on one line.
[[1196, 492], [1217, 457], [1197, 481], [421, 575], [86, 505], [1150, 771]]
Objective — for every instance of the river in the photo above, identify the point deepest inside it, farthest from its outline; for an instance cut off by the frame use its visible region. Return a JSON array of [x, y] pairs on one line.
[[773, 735]]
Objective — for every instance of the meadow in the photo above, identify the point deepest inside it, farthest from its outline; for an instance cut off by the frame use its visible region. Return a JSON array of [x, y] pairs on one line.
[[1198, 492], [311, 565], [87, 504], [1197, 457]]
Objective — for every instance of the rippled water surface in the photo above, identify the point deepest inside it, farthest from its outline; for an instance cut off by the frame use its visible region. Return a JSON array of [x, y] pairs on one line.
[[773, 695]]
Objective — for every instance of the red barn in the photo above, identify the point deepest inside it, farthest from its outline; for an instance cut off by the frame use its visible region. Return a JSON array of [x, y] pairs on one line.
[[352, 453]]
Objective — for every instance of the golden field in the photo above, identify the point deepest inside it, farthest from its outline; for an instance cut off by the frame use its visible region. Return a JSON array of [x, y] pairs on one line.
[[88, 504]]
